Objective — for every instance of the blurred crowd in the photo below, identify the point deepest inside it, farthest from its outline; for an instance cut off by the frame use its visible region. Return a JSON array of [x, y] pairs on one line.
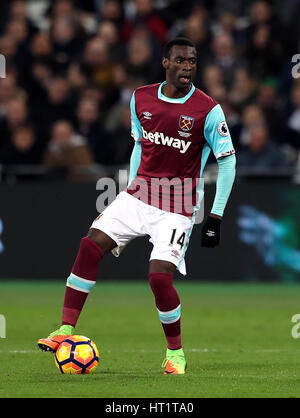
[[72, 65]]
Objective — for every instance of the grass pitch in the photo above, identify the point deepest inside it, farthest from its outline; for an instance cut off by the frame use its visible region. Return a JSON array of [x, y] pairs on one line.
[[237, 339]]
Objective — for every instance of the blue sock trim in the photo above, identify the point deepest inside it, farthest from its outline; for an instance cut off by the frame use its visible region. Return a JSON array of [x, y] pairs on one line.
[[170, 316], [78, 283]]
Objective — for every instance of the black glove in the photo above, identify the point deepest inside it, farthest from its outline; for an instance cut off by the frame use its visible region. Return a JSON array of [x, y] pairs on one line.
[[211, 232]]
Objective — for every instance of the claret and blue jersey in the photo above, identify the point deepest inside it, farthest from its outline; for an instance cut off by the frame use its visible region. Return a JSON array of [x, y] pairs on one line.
[[176, 135]]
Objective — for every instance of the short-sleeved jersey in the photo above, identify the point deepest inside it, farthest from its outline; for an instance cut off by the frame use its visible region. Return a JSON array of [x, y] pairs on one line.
[[177, 136]]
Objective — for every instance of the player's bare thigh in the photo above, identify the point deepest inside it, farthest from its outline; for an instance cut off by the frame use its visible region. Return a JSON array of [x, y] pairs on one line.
[[107, 244], [102, 240]]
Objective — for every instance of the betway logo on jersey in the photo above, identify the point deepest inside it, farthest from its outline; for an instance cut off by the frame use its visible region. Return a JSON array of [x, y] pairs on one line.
[[169, 141]]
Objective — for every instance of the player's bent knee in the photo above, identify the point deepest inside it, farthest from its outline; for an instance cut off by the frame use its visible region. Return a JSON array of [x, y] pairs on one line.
[[102, 240], [160, 266]]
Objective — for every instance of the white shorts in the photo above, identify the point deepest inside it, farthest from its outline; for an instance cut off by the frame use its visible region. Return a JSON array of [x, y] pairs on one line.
[[127, 218]]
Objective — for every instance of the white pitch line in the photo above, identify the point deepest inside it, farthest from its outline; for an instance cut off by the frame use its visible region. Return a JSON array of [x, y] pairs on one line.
[[18, 351], [191, 350]]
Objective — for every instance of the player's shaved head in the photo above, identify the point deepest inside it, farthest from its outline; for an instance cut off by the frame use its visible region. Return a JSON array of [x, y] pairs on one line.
[[180, 41]]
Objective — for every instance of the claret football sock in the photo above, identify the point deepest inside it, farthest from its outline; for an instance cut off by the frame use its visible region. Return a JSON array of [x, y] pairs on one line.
[[81, 280], [168, 306]]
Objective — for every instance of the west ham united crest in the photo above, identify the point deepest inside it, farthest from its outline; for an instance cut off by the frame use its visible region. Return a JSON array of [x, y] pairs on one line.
[[186, 123]]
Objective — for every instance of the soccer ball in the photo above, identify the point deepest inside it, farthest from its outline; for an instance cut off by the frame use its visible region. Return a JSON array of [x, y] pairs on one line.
[[77, 355]]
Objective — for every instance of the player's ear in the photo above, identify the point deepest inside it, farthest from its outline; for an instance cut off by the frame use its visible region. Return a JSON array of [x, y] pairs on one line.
[[165, 63]]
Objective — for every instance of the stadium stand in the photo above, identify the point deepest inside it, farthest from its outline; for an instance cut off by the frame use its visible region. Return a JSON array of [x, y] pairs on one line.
[[73, 65]]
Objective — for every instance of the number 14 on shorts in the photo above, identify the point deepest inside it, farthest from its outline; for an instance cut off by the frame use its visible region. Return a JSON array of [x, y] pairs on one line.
[[177, 238]]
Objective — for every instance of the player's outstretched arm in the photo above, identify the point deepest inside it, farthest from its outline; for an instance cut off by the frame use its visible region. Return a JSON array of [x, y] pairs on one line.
[[211, 229]]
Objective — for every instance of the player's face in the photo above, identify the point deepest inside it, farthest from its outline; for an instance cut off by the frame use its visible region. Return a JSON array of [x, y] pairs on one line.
[[181, 66]]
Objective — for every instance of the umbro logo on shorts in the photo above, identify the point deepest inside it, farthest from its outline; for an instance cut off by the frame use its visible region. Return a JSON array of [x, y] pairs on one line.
[[162, 139]]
